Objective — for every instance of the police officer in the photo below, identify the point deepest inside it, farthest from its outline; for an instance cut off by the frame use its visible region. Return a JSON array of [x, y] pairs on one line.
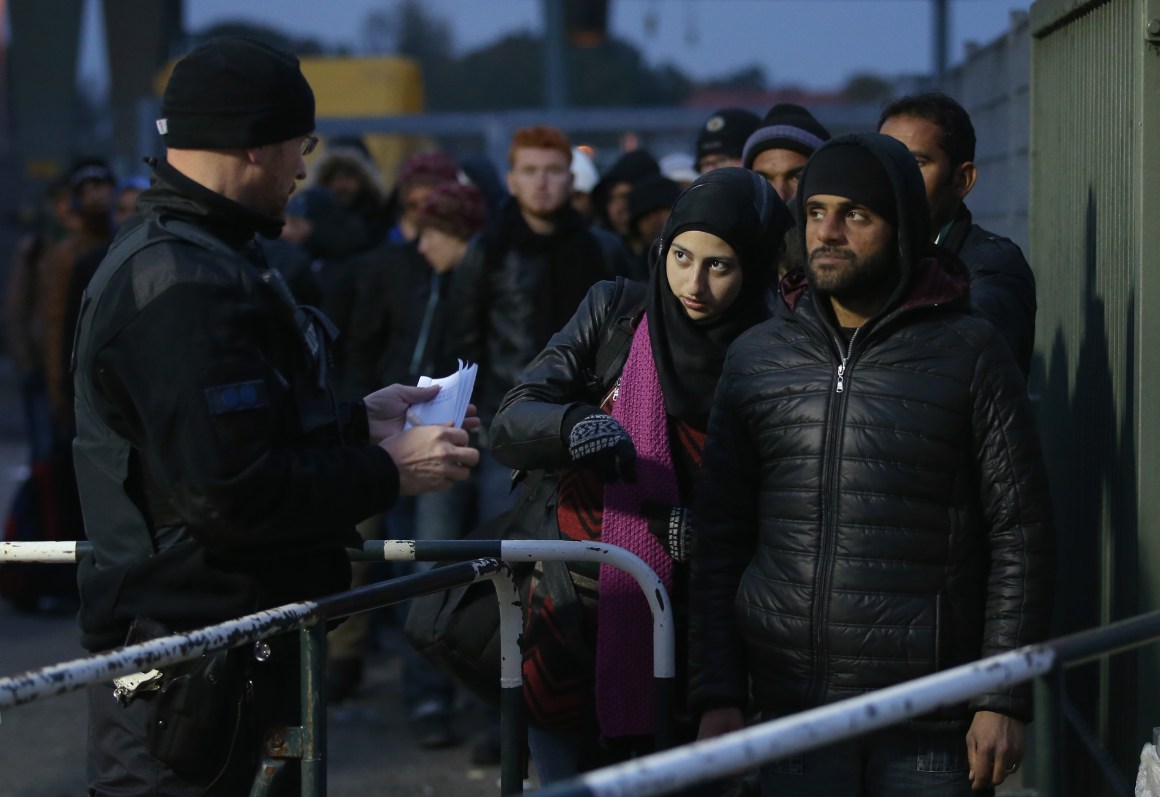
[[217, 474]]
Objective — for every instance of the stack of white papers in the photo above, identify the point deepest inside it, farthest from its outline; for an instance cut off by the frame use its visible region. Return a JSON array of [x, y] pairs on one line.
[[450, 404]]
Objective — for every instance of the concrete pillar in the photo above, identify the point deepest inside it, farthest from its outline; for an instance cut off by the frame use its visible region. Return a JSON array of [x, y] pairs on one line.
[[142, 36], [42, 68]]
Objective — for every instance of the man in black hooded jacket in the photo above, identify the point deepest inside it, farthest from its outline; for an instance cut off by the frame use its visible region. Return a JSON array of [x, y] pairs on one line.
[[873, 506], [217, 474]]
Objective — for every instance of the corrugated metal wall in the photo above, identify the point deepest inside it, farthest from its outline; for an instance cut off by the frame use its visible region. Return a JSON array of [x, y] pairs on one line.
[[994, 85], [1090, 212]]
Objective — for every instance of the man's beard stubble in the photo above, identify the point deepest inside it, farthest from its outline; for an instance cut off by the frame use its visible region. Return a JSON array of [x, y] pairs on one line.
[[863, 278]]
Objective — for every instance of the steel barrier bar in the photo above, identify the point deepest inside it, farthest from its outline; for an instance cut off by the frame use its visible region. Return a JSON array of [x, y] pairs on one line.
[[70, 676], [664, 639], [736, 752], [307, 743], [740, 751], [664, 634], [43, 552], [733, 753]]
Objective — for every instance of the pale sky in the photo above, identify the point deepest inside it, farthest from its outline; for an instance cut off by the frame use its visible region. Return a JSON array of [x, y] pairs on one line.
[[815, 44]]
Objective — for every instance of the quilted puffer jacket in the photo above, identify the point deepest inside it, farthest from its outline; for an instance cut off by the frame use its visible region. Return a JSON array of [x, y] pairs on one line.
[[1002, 284], [869, 511]]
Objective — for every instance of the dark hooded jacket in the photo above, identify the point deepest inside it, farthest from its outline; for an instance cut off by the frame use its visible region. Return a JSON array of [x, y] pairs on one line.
[[217, 475], [1002, 284], [512, 291], [874, 510]]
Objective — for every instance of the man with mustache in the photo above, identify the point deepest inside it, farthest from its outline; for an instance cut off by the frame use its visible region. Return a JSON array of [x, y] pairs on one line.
[[873, 505]]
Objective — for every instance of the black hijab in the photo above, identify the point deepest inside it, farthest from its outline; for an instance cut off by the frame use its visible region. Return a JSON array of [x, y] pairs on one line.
[[740, 208]]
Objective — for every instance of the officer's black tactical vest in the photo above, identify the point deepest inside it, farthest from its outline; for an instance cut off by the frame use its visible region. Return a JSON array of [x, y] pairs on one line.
[[115, 523]]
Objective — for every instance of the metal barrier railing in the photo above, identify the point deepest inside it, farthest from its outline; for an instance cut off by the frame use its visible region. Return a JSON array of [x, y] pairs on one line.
[[511, 551], [306, 743], [738, 752], [513, 725], [664, 641]]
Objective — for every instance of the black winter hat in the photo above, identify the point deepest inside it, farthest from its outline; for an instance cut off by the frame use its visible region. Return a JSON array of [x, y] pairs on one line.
[[655, 192], [725, 132], [94, 169], [631, 167], [852, 171], [786, 126], [235, 93]]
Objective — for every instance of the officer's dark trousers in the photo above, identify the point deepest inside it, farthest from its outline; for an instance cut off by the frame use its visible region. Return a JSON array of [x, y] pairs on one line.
[[119, 763]]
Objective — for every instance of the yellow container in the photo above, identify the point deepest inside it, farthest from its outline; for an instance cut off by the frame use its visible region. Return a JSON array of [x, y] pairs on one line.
[[349, 87]]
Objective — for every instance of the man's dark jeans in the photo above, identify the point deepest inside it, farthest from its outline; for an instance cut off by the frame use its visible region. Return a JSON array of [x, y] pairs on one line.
[[891, 763]]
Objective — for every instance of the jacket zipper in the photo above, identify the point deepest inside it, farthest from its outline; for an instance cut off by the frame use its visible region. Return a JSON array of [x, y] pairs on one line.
[[824, 577], [841, 385]]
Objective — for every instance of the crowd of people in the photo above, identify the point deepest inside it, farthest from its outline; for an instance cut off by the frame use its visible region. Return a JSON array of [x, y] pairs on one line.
[[785, 369]]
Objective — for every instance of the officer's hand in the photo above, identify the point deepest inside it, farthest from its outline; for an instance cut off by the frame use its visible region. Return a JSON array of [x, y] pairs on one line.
[[994, 748], [430, 458], [387, 408], [720, 721], [599, 442]]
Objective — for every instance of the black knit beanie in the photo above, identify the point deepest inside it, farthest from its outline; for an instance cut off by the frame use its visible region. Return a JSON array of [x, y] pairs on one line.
[[853, 172], [235, 93], [786, 126], [655, 192], [725, 133]]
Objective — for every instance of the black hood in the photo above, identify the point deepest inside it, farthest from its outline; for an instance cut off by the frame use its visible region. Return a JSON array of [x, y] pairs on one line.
[[739, 207], [909, 197]]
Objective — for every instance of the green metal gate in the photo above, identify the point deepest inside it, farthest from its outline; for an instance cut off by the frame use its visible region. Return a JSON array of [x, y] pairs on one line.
[[1095, 235]]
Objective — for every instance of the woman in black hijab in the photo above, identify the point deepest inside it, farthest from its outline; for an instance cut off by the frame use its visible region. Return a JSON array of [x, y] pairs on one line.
[[612, 416]]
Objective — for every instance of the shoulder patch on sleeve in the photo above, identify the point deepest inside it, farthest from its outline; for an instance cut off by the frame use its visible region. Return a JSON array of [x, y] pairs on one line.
[[237, 397]]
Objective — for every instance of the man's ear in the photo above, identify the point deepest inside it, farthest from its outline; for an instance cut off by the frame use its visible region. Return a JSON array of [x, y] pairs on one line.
[[965, 176], [257, 155]]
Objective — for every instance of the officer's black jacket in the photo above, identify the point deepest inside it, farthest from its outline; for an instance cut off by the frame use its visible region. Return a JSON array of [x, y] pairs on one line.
[[217, 474]]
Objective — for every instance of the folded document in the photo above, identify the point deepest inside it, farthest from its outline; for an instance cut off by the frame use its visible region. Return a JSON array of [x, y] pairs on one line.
[[450, 404]]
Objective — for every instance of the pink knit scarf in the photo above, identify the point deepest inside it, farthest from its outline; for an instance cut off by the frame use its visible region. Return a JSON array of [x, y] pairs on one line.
[[624, 694]]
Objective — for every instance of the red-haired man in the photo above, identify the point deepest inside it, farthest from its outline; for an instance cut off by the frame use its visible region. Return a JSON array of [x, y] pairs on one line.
[[520, 281]]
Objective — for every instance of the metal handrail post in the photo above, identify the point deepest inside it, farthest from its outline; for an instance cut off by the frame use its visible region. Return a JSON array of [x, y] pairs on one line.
[[664, 630], [1047, 737], [1050, 769], [513, 716], [312, 642]]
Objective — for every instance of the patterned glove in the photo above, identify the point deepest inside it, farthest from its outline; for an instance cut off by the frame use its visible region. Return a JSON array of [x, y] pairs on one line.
[[598, 441], [672, 526]]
